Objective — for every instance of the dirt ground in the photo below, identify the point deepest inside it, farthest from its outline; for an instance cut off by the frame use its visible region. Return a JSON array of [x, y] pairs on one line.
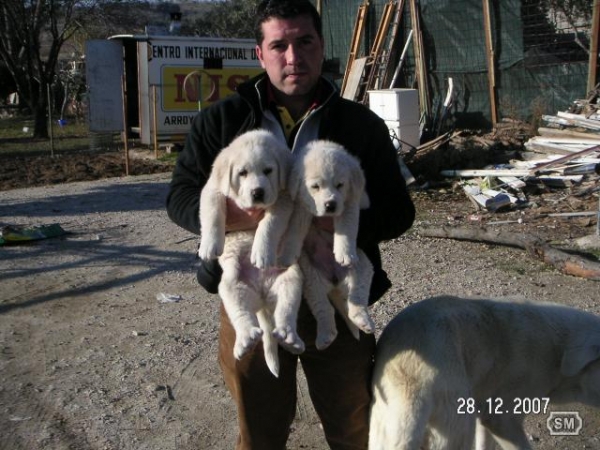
[[94, 356]]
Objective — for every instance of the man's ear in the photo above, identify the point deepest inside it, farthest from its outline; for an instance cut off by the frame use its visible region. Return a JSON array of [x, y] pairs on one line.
[[259, 55]]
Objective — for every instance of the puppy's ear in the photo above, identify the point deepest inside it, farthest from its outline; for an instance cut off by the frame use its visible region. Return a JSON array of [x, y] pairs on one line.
[[576, 358], [222, 170]]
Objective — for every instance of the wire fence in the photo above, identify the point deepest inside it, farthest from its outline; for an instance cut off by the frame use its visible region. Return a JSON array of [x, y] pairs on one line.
[[540, 51]]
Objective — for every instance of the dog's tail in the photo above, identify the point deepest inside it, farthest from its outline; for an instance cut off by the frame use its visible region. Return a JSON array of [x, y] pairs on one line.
[[270, 344]]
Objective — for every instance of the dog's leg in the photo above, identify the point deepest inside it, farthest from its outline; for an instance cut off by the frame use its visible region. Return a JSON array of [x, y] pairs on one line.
[[315, 293], [286, 296], [447, 429], [291, 244], [270, 231], [507, 431], [344, 236], [359, 286], [241, 304], [212, 223], [398, 418], [265, 319], [483, 438], [339, 299]]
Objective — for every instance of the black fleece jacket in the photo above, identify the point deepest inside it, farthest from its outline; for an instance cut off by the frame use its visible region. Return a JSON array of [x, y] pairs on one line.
[[350, 124]]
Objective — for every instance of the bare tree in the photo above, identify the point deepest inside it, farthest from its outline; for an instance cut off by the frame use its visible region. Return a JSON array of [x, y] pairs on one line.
[[228, 19], [32, 33]]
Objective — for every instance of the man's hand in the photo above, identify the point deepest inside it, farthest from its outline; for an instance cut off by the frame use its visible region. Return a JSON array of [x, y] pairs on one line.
[[240, 219]]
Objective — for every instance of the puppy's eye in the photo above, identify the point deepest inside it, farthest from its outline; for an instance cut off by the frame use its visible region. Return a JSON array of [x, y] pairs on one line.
[[243, 173], [339, 185], [268, 170], [314, 187]]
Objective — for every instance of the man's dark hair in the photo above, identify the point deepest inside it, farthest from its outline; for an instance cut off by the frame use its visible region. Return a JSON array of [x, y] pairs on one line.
[[285, 9]]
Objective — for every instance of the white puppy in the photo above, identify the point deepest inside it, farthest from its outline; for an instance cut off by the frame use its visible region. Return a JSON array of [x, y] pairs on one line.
[[326, 181], [449, 369], [261, 300]]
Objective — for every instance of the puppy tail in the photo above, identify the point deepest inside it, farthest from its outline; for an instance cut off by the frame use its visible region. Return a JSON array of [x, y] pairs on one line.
[[270, 344]]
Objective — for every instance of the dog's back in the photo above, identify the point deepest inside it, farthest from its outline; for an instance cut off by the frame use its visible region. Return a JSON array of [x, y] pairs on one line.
[[440, 360]]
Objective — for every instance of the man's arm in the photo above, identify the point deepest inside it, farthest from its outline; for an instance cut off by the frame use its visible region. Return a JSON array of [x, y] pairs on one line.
[[188, 179]]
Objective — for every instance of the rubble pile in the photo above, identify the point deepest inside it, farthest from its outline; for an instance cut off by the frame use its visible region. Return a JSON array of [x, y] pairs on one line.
[[563, 157]]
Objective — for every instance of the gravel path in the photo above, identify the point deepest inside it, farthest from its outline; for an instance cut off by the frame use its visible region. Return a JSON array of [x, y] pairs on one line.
[[92, 359]]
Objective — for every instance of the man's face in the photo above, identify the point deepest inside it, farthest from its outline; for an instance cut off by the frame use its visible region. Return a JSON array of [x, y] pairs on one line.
[[292, 54]]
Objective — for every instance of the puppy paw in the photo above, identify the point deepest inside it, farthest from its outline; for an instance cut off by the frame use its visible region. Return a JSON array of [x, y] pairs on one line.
[[209, 251], [262, 260], [289, 340], [325, 338], [363, 321], [245, 341], [345, 258]]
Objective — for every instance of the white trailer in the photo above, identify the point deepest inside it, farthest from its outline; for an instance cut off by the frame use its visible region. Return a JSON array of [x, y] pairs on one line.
[[149, 84]]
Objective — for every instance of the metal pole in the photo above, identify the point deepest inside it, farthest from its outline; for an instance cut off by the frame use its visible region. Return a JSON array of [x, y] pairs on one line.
[[125, 123], [155, 122], [401, 61]]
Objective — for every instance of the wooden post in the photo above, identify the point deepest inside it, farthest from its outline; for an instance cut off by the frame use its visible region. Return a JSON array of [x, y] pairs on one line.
[[125, 124], [420, 64], [491, 60], [594, 38]]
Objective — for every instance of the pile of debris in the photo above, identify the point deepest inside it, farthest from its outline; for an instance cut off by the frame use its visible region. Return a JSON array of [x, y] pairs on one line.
[[565, 154]]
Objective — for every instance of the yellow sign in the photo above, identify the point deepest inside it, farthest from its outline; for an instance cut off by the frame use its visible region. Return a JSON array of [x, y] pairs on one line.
[[190, 88]]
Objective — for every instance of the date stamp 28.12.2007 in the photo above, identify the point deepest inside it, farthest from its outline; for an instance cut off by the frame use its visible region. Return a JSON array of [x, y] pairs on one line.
[[498, 406]]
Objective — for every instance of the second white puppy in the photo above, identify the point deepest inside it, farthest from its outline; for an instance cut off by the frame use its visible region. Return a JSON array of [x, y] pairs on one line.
[[327, 181], [261, 300]]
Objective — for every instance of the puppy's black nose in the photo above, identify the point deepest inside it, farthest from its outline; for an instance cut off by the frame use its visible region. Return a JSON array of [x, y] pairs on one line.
[[258, 194], [330, 206]]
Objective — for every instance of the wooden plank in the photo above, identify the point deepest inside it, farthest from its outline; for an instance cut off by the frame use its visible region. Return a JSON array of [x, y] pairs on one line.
[[543, 131], [420, 65], [357, 34], [594, 42], [586, 123], [491, 60], [354, 78], [570, 157]]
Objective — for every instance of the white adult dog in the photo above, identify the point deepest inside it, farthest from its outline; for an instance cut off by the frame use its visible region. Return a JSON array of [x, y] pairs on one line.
[[450, 372], [260, 299], [326, 181]]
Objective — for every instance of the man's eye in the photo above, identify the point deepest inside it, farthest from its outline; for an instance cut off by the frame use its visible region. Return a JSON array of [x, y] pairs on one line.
[[279, 47]]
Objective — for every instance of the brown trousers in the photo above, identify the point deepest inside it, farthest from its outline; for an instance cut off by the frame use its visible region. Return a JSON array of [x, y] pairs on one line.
[[338, 382]]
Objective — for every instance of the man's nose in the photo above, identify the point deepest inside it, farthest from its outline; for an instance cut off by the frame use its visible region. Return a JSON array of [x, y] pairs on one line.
[[292, 54]]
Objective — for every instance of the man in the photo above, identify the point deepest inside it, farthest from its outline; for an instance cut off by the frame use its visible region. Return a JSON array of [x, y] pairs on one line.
[[295, 102]]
